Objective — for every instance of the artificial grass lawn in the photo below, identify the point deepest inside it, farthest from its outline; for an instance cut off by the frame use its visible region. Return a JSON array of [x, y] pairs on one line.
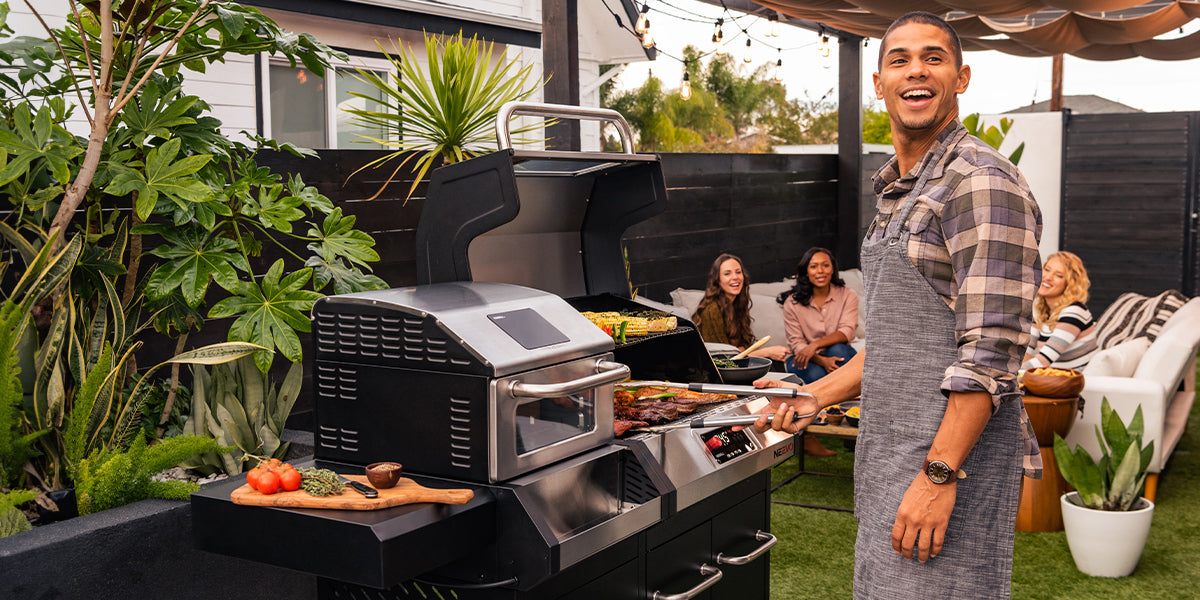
[[815, 554]]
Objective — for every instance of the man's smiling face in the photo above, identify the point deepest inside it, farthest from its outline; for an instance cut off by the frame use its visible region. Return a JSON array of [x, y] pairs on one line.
[[919, 79]]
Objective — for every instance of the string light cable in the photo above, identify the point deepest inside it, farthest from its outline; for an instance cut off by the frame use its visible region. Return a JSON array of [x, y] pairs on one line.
[[685, 91]]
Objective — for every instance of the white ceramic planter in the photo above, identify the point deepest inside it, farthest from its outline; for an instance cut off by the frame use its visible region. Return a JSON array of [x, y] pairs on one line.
[[1106, 543]]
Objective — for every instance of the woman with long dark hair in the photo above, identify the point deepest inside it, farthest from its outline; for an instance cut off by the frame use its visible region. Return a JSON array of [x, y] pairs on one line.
[[820, 315], [723, 316]]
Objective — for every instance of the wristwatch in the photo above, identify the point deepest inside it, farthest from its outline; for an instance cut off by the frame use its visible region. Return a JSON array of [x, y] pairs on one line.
[[940, 472]]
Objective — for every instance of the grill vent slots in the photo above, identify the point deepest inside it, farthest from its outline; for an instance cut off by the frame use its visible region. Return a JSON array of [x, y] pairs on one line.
[[382, 337], [460, 432], [335, 384], [638, 488]]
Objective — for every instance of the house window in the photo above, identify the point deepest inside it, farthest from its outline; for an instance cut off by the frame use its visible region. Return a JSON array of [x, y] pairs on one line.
[[305, 109]]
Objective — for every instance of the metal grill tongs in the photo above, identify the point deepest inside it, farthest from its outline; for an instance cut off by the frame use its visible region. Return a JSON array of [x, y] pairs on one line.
[[721, 388], [714, 388], [706, 423]]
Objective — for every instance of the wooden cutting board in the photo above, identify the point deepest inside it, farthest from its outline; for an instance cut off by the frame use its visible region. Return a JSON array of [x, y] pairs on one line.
[[406, 491]]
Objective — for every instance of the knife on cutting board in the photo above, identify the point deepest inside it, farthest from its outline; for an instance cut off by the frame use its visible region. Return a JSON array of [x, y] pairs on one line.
[[361, 488]]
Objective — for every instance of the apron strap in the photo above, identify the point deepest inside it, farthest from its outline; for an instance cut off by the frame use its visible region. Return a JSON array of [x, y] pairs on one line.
[[892, 234]]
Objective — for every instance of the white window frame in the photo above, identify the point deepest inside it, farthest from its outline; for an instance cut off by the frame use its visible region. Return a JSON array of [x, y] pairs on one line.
[[264, 93]]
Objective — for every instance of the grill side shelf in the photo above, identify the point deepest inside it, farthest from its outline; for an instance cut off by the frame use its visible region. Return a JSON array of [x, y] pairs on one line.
[[377, 548]]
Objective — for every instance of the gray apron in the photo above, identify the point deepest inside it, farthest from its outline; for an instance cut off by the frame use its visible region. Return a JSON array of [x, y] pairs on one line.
[[910, 343]]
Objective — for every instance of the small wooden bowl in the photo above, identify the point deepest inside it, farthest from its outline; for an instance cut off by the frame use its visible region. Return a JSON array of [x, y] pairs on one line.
[[835, 415], [383, 475], [1053, 386]]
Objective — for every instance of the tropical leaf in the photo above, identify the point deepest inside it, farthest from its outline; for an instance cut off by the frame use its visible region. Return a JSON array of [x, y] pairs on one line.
[[270, 314], [337, 237], [164, 175], [446, 113], [194, 258], [346, 280]]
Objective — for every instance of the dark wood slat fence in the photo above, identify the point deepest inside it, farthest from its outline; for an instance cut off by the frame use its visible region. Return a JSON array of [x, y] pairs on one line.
[[1129, 202]]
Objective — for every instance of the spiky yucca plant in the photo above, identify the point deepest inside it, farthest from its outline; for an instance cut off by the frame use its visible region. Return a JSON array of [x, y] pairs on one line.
[[448, 112]]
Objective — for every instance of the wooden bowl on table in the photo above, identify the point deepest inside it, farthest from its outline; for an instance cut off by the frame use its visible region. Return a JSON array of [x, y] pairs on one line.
[[383, 475], [834, 415], [1052, 383]]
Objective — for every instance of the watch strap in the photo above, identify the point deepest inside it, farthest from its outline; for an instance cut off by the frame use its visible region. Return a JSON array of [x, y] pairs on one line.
[[955, 474]]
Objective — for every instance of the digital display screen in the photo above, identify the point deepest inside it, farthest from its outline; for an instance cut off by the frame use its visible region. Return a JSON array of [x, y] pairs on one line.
[[528, 328], [726, 445]]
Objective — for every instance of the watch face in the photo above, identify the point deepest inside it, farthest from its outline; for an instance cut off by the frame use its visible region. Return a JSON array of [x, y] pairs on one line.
[[938, 471]]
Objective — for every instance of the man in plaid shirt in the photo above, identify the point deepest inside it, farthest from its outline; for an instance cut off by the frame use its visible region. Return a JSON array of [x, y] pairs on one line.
[[950, 268]]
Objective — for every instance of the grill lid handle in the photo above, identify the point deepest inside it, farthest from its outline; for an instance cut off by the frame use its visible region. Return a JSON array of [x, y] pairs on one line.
[[562, 111], [606, 372]]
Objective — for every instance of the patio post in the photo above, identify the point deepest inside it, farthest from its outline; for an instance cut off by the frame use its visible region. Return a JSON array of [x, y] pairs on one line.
[[850, 147]]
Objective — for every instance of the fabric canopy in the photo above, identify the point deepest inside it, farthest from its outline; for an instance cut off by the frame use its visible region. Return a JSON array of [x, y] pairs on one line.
[[1090, 29]]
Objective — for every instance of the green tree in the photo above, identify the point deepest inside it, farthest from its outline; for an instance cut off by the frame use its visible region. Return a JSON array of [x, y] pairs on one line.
[[877, 127], [804, 120]]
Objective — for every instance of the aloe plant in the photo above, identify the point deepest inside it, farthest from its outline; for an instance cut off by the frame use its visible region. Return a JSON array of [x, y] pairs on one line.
[[448, 113], [238, 406], [1115, 482]]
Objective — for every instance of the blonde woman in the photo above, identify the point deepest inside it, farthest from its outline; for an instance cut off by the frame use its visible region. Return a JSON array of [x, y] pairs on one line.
[[1064, 332]]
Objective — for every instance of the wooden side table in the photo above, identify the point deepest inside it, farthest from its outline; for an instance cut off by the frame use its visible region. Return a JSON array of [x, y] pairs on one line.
[[1039, 509]]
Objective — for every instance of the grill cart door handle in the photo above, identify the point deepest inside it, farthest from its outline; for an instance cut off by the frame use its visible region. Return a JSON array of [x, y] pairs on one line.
[[762, 536], [606, 372], [712, 574], [565, 111]]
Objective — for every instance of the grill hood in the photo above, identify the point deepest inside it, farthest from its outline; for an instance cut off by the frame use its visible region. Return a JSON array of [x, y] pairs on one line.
[[484, 328]]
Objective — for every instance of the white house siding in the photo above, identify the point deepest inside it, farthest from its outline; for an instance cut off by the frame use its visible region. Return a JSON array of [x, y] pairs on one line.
[[230, 87], [1041, 165], [229, 91]]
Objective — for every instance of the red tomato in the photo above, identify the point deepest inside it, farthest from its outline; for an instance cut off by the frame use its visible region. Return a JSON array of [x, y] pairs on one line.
[[289, 480], [252, 477], [268, 483]]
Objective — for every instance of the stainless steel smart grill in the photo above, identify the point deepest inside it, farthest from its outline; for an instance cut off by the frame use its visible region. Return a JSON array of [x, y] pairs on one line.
[[486, 376]]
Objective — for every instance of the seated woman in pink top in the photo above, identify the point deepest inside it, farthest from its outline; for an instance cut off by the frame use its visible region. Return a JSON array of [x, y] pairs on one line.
[[820, 316]]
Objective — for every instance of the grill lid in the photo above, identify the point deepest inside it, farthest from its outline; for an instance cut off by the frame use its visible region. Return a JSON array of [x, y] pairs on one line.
[[506, 328]]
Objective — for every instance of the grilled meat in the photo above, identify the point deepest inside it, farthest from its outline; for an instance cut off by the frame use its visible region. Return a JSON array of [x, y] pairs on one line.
[[621, 426]]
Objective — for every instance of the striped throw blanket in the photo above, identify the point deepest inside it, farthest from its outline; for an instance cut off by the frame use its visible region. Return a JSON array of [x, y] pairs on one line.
[[1134, 315]]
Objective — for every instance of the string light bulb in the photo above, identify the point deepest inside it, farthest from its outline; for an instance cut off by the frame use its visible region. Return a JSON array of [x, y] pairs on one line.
[[719, 39], [647, 37], [773, 31], [643, 23], [779, 70], [824, 46], [685, 90], [747, 57]]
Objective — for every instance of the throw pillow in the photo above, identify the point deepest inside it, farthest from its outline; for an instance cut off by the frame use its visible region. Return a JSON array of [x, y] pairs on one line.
[[767, 319], [1119, 361], [1133, 315], [1169, 302], [687, 300]]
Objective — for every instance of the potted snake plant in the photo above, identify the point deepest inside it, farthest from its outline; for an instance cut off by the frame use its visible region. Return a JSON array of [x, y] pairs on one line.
[[1106, 519]]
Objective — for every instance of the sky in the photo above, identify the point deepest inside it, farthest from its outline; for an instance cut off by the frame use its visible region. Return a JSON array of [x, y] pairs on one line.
[[999, 82]]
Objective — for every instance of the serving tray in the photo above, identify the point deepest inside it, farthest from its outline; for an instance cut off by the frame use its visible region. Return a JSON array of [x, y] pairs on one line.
[[406, 491]]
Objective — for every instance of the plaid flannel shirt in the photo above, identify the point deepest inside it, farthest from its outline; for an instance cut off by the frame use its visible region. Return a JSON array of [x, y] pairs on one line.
[[975, 231]]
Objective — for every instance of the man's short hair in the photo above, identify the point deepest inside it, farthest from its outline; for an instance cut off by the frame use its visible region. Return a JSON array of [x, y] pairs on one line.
[[926, 19]]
